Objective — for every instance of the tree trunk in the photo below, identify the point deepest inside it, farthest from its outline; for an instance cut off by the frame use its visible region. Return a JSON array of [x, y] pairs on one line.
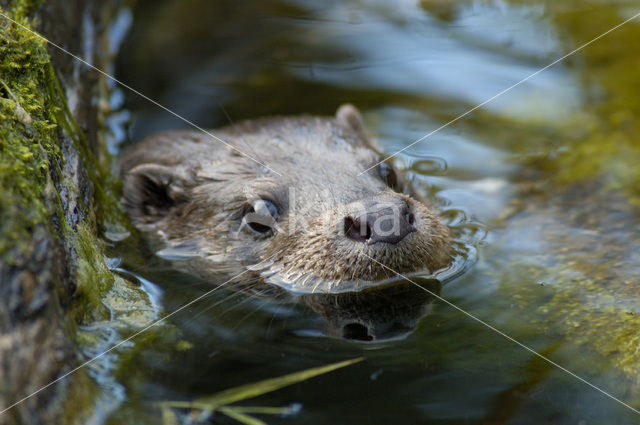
[[51, 198]]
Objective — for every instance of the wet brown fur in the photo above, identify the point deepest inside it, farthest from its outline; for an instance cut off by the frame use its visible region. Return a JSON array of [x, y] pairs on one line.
[[186, 190]]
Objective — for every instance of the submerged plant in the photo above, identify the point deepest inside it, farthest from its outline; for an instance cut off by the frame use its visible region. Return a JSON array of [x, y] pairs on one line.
[[203, 408]]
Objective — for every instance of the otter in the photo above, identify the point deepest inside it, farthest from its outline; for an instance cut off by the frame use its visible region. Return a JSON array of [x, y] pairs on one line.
[[282, 200], [389, 312]]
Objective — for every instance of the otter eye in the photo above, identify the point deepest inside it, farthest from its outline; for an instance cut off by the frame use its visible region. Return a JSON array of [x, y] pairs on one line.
[[388, 175], [260, 217]]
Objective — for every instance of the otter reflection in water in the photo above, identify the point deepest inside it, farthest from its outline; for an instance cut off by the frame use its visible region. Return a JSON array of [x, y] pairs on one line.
[[375, 315], [282, 201]]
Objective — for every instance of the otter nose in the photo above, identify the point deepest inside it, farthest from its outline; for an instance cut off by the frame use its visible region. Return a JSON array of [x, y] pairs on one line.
[[380, 222]]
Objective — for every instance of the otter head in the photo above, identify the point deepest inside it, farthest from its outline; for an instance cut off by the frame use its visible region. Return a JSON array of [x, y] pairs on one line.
[[284, 198]]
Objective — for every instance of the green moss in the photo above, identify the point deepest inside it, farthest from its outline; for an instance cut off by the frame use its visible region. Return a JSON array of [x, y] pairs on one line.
[[20, 8], [94, 278], [34, 118], [80, 399], [28, 134], [105, 185], [34, 112], [31, 108], [29, 155]]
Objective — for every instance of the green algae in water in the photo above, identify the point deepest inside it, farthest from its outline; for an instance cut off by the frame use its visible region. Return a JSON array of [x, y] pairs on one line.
[[592, 295], [575, 275]]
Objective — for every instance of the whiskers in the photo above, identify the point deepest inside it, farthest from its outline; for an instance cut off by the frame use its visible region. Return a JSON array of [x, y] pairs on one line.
[[232, 306]]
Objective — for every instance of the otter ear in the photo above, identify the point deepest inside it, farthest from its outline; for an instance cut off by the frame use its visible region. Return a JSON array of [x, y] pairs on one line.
[[349, 116], [152, 191]]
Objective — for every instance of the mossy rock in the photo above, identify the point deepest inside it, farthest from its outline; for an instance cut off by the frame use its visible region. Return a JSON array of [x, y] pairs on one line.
[[54, 194]]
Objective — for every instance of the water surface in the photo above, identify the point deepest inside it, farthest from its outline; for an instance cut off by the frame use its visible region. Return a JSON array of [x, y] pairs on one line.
[[550, 169]]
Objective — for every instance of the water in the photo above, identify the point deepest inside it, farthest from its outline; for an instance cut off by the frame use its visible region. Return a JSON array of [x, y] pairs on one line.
[[549, 169]]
